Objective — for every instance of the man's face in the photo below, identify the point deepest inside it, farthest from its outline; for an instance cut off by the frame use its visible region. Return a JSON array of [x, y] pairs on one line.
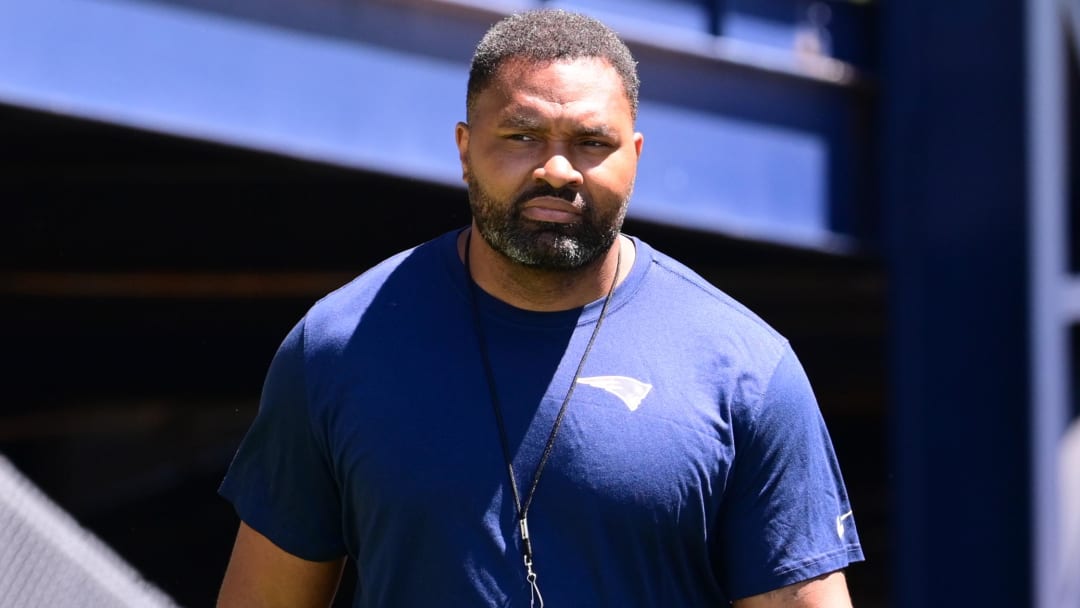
[[549, 156]]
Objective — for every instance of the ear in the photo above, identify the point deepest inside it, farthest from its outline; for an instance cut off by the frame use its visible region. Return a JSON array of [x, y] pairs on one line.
[[461, 135], [639, 140]]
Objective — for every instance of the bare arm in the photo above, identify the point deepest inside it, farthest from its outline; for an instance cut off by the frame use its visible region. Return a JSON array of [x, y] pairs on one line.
[[262, 575], [826, 591]]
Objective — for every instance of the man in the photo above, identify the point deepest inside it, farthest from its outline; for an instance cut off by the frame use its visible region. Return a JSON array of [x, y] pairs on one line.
[[537, 409]]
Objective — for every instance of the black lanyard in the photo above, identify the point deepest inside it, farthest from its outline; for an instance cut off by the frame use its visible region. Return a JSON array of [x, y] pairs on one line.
[[523, 509]]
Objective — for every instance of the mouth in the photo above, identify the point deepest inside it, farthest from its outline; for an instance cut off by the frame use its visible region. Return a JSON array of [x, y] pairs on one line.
[[551, 209]]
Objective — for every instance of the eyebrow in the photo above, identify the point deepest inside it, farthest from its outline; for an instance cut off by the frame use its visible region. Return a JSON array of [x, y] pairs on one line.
[[525, 122], [597, 131], [520, 121]]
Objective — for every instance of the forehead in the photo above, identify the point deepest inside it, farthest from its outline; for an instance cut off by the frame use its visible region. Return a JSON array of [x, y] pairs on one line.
[[587, 84]]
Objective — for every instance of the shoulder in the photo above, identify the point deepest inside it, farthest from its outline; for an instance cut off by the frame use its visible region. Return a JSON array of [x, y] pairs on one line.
[[331, 321], [687, 299]]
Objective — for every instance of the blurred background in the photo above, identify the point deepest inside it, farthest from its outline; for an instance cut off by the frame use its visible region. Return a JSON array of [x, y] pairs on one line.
[[889, 184]]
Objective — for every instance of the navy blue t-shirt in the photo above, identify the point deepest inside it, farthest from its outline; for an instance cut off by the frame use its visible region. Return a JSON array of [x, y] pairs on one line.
[[692, 468]]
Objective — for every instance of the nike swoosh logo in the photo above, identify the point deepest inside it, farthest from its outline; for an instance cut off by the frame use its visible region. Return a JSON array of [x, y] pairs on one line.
[[630, 391], [840, 523]]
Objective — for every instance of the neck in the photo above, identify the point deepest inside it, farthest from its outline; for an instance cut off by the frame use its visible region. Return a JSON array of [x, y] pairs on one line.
[[543, 290]]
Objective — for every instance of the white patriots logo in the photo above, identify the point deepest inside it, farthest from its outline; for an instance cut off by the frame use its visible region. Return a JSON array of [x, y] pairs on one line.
[[632, 392]]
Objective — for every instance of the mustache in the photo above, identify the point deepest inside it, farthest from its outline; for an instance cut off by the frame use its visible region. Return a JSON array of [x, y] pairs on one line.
[[567, 194]]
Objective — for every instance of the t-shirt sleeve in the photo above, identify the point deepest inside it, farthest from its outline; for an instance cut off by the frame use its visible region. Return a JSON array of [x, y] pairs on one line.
[[786, 516], [280, 481]]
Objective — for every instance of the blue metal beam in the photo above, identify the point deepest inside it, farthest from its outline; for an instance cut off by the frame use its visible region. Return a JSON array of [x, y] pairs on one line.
[[739, 140], [956, 199], [199, 75], [1050, 289]]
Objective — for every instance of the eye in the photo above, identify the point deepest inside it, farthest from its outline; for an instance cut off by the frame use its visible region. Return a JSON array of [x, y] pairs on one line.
[[595, 143], [523, 137]]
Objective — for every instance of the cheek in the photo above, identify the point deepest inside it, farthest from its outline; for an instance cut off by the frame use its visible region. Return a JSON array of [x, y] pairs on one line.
[[502, 174], [615, 176]]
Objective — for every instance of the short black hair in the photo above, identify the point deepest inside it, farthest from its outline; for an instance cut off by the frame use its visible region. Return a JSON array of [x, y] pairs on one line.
[[548, 35]]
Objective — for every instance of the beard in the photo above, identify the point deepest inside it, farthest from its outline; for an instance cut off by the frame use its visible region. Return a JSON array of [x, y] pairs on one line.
[[544, 245]]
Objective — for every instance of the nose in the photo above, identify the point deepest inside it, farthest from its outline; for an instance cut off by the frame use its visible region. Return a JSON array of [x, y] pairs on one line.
[[559, 171]]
